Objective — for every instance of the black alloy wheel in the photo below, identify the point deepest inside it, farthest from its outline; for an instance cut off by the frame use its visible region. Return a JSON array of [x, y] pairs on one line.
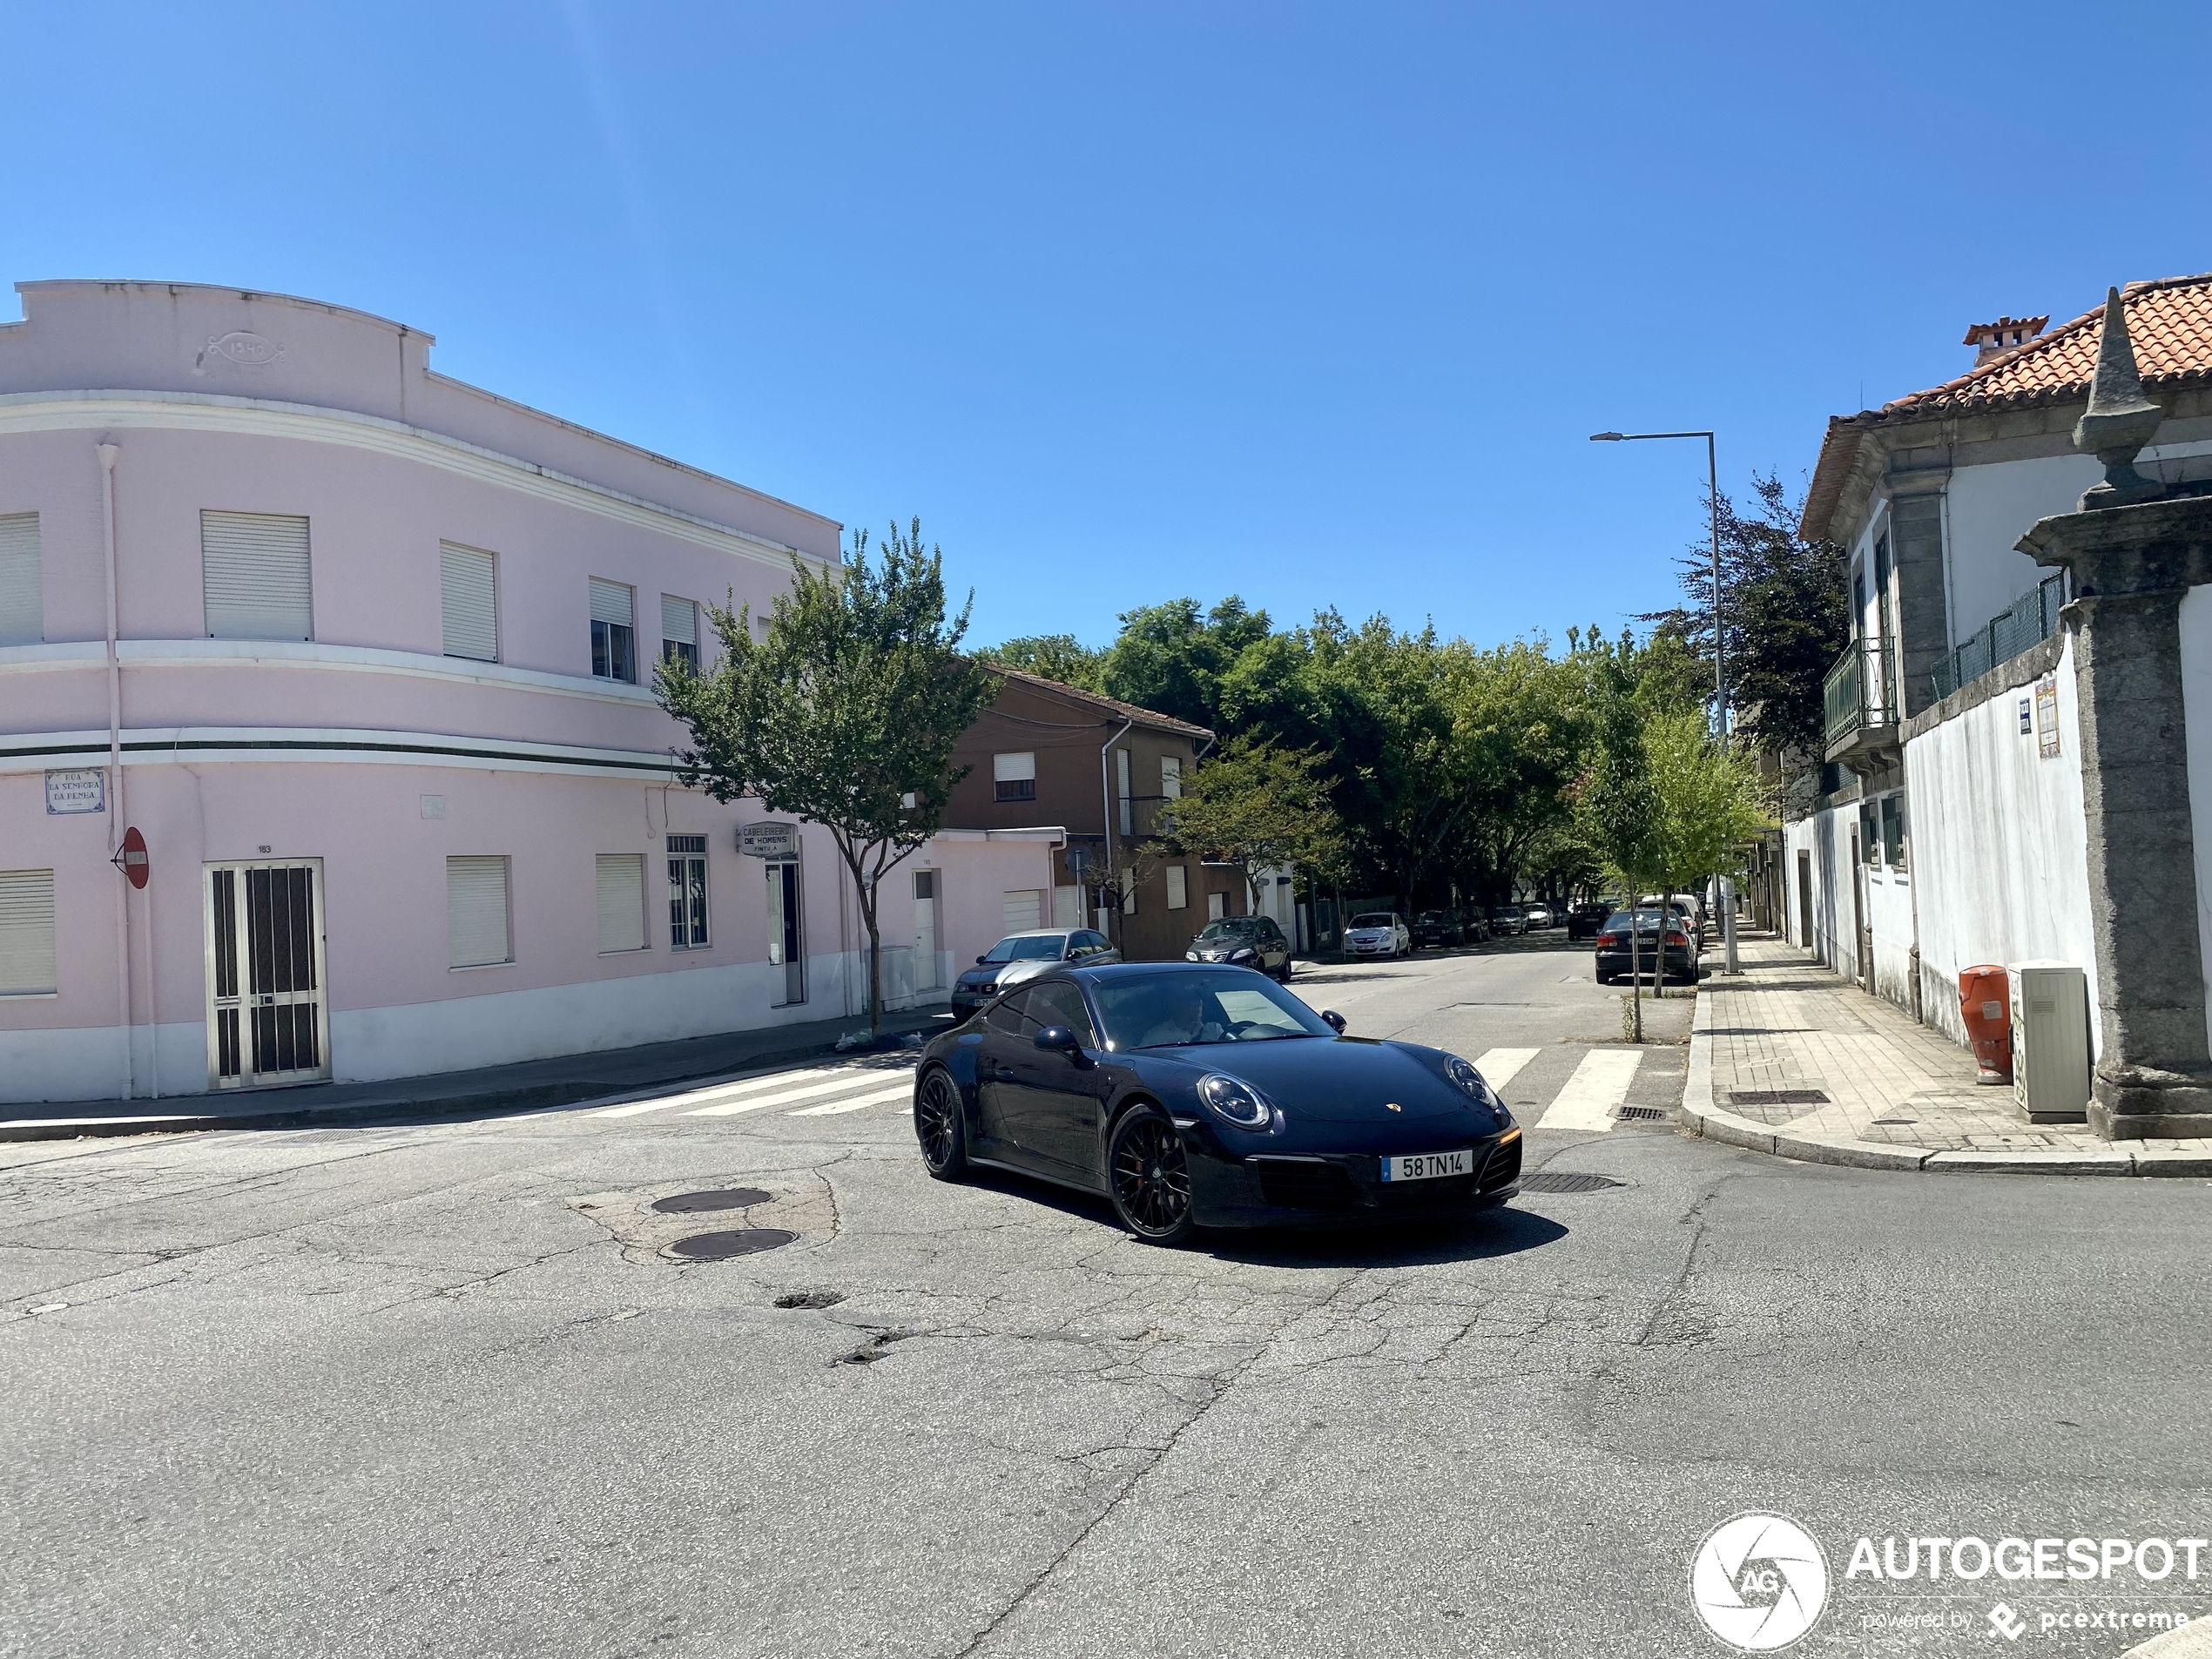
[[938, 1126], [1150, 1177]]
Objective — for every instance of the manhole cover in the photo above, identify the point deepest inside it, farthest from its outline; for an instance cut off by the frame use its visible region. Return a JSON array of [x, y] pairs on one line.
[[692, 1203], [1642, 1114], [1545, 1181], [811, 1299], [742, 1241], [1778, 1097]]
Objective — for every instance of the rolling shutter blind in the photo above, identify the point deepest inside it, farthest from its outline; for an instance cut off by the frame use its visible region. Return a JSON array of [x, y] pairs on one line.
[[255, 568], [611, 603], [1014, 769], [622, 901], [1178, 886], [476, 912], [26, 931], [23, 615], [468, 584], [1020, 907], [679, 620]]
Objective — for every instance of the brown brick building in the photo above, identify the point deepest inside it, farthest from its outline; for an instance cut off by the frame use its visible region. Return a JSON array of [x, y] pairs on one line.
[[1046, 753]]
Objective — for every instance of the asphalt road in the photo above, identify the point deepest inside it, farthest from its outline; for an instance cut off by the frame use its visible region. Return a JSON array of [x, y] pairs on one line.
[[435, 1389]]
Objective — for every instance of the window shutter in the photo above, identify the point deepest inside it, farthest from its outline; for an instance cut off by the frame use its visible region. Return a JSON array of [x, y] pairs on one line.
[[1171, 777], [679, 620], [476, 912], [1178, 886], [469, 581], [1012, 769], [26, 931], [1020, 908], [256, 571], [611, 603], [23, 615], [622, 901]]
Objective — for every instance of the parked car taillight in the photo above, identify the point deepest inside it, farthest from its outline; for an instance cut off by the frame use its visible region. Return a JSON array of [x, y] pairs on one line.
[[1678, 939], [1605, 940]]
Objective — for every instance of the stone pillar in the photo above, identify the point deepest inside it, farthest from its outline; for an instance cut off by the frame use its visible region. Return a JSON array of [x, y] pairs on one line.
[[2131, 566]]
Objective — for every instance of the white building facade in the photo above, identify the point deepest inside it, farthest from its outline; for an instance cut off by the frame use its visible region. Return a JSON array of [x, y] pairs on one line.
[[364, 655]]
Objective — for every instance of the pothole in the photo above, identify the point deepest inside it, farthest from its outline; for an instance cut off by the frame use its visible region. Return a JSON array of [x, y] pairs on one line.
[[692, 1203], [740, 1241], [873, 1350], [1547, 1181], [811, 1299]]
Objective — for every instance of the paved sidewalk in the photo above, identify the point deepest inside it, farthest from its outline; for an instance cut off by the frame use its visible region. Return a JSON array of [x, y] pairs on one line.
[[1767, 1047], [531, 1085]]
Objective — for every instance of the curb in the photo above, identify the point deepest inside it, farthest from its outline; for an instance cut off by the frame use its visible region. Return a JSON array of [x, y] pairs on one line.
[[427, 1109], [1702, 1117]]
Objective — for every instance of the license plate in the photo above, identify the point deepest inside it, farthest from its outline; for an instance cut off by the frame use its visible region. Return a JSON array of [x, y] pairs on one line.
[[1427, 1166]]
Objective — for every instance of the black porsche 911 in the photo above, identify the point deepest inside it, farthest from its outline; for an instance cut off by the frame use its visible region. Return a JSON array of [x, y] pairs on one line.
[[1194, 1095]]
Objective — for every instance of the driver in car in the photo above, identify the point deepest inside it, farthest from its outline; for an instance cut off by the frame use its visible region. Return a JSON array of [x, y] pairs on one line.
[[1183, 1018]]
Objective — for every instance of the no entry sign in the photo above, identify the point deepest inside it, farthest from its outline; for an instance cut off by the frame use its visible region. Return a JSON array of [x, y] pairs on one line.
[[131, 858]]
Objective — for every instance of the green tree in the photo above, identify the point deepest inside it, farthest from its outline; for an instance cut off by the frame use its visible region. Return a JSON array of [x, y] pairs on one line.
[[1171, 657], [846, 714], [1617, 801], [1707, 799], [1052, 657], [1260, 808]]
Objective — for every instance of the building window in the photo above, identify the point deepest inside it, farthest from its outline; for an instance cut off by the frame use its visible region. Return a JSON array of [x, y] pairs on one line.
[[622, 902], [477, 930], [1170, 777], [614, 632], [680, 630], [255, 574], [1121, 775], [1021, 910], [469, 592], [27, 933], [1216, 905], [23, 614], [1178, 886], [1893, 830], [1014, 777], [687, 892]]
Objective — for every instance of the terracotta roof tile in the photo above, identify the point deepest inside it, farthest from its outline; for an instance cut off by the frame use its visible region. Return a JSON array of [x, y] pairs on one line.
[[1106, 704], [2171, 323]]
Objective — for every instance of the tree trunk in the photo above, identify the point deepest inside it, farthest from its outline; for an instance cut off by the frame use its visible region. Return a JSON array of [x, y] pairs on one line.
[[875, 964]]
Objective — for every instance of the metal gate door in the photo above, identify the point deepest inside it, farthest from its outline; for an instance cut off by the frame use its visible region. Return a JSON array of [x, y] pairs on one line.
[[268, 1020]]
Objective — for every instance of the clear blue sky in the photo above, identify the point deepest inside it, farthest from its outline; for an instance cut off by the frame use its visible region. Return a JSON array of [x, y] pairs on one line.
[[1315, 305]]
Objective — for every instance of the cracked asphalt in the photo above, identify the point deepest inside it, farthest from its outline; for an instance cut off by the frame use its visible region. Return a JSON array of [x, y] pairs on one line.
[[435, 1389]]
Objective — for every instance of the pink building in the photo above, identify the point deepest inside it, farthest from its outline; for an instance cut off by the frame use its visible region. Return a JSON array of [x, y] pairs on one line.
[[365, 655]]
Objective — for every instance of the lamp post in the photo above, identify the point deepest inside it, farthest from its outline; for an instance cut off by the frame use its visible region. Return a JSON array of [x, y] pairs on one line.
[[1720, 650]]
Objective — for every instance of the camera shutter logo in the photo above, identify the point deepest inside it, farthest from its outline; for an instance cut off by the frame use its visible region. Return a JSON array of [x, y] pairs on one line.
[[1759, 1582]]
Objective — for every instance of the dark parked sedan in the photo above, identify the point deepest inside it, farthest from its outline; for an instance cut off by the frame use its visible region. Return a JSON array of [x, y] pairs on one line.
[[1248, 941], [1585, 920], [1438, 927], [1613, 958], [1194, 1095]]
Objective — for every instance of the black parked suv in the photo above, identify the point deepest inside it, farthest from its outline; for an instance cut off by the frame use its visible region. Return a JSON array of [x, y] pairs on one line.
[[1438, 927], [1248, 941], [1583, 920]]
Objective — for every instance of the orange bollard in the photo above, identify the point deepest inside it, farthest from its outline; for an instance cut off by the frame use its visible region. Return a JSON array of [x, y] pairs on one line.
[[1985, 1003]]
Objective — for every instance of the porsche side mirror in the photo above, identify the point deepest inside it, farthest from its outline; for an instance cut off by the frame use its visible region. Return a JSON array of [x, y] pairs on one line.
[[1060, 1040], [1335, 1020]]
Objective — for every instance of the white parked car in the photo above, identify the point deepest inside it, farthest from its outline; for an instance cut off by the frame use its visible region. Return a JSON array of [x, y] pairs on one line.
[[1378, 932]]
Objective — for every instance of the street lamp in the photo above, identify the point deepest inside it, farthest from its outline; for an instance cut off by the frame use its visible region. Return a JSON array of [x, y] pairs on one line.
[[1720, 653]]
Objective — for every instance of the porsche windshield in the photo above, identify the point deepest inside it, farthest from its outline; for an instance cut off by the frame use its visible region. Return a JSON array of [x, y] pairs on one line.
[[1170, 1009]]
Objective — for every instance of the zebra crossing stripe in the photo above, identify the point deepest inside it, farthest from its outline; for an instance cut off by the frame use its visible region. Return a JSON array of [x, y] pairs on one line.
[[904, 1091], [851, 1077], [1501, 1066], [1599, 1084]]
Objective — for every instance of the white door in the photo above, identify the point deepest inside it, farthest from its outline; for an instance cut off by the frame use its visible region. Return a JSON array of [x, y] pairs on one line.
[[787, 939], [924, 930], [268, 1017]]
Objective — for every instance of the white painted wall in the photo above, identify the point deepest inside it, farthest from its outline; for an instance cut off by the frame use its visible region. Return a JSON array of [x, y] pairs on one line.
[[1987, 509], [1999, 844]]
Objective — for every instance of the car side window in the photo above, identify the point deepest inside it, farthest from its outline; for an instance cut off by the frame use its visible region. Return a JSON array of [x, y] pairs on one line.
[[1094, 942], [1058, 1003], [1005, 1014], [1269, 931]]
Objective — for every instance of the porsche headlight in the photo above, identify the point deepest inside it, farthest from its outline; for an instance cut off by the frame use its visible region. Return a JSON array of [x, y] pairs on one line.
[[1235, 1101], [1470, 1083]]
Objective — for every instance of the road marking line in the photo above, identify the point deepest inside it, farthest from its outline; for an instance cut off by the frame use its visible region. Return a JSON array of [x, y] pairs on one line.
[[1501, 1066], [1599, 1084], [852, 1079], [904, 1091], [720, 1091]]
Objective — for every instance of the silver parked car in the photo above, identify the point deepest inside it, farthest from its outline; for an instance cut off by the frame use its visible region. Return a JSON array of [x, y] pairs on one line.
[[1024, 955], [1378, 932]]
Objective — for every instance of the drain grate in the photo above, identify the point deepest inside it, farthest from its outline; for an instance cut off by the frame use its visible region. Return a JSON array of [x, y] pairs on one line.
[[1778, 1097], [693, 1204], [1896, 1122], [1549, 1182], [719, 1247], [811, 1299], [1642, 1114]]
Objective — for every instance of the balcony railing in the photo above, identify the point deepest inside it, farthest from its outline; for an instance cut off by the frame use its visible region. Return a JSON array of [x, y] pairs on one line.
[[1862, 690], [2033, 618]]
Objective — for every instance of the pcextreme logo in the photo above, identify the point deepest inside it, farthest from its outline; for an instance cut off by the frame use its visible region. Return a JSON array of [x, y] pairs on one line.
[[1759, 1582]]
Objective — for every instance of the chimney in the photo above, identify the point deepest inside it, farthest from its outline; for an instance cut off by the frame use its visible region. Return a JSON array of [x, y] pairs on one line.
[[1993, 339]]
